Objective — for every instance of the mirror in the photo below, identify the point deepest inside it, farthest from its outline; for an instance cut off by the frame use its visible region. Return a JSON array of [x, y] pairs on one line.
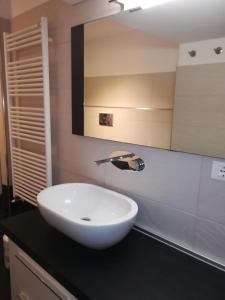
[[153, 77]]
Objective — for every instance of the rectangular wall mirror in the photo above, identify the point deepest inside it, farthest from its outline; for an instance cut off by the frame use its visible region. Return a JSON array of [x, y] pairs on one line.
[[153, 77]]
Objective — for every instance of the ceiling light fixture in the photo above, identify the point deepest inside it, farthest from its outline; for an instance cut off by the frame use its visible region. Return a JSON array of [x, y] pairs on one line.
[[135, 4]]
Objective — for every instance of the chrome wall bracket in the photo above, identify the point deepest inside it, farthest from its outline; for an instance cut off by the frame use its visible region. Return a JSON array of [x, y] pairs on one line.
[[218, 50], [119, 3]]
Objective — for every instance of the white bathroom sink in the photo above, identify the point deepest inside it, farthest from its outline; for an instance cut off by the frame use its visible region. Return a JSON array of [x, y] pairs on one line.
[[91, 215]]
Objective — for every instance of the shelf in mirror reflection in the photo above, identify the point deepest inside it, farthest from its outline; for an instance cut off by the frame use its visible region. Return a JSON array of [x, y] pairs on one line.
[[124, 107]]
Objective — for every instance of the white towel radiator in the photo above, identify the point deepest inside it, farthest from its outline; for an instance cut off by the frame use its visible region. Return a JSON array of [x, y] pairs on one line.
[[28, 100]]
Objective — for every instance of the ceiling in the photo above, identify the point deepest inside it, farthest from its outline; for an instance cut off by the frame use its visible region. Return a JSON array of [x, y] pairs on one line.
[[181, 20]]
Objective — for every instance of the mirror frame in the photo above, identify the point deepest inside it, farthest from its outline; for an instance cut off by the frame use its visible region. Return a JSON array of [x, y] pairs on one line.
[[77, 79]]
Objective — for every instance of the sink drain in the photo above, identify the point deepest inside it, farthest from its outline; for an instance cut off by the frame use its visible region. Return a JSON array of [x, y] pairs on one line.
[[86, 219]]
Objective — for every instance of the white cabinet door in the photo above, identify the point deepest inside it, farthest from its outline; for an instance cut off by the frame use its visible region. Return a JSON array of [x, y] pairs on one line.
[[28, 286], [30, 282]]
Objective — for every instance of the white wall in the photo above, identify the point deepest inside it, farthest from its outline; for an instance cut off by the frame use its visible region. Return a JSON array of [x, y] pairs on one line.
[[205, 53]]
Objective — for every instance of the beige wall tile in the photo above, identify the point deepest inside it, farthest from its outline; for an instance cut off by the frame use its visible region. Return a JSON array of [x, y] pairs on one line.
[[196, 139], [61, 110], [201, 80], [204, 111], [199, 114]]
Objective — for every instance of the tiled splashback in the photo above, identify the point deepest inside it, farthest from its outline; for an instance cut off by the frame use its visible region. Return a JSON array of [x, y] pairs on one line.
[[177, 199]]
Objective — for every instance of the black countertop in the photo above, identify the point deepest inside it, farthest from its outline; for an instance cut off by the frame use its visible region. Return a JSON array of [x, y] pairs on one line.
[[138, 268]]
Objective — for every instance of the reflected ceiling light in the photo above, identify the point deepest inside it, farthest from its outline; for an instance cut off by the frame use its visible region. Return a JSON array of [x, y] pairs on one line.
[[142, 4], [73, 2]]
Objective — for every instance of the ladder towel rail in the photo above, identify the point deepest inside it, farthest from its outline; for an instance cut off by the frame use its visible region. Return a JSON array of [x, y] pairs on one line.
[[28, 98]]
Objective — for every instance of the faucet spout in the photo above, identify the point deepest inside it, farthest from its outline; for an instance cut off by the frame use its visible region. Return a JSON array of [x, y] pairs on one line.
[[114, 158]]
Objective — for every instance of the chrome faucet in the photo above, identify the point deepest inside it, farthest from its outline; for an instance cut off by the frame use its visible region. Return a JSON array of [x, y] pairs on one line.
[[124, 161], [114, 158]]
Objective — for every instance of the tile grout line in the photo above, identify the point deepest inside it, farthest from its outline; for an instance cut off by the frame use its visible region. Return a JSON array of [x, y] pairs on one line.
[[197, 205]]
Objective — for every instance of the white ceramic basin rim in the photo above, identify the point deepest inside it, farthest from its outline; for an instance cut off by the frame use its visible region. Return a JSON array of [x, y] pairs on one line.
[[92, 215]]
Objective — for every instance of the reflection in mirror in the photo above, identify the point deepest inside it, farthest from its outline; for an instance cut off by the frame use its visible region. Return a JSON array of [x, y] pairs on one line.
[[129, 75], [199, 116], [153, 77]]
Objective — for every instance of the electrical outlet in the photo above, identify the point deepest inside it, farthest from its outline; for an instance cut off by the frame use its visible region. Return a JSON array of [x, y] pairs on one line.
[[218, 170]]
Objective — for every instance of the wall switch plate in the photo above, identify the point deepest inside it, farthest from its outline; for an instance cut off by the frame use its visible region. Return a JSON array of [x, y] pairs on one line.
[[218, 170]]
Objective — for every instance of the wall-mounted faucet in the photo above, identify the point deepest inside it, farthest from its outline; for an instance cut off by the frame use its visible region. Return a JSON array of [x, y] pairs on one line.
[[114, 158], [124, 161]]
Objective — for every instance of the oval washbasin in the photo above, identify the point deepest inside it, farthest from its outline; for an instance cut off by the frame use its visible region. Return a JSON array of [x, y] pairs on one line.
[[91, 215]]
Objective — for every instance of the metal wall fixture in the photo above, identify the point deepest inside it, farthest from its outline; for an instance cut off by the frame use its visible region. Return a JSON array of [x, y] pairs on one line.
[[218, 50], [123, 160], [192, 53], [118, 2]]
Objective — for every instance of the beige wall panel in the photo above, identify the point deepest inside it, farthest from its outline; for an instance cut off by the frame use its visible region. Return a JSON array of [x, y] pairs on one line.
[[144, 90], [201, 80], [199, 114], [204, 111], [199, 140]]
